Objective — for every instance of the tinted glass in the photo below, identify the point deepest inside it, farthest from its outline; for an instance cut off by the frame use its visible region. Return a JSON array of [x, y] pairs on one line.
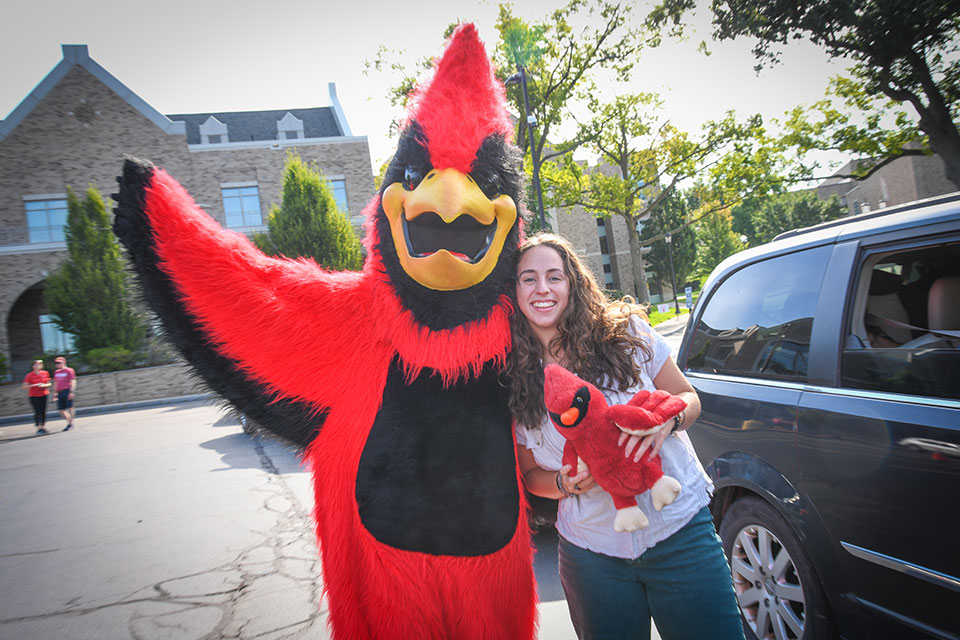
[[758, 321]]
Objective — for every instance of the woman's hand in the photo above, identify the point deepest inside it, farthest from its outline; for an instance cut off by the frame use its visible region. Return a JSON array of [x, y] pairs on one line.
[[576, 484], [652, 442]]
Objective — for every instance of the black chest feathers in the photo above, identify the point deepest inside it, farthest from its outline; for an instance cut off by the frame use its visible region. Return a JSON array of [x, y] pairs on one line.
[[438, 472]]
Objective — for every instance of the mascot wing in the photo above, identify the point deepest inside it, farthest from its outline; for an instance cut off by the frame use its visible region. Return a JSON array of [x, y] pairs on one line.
[[270, 335]]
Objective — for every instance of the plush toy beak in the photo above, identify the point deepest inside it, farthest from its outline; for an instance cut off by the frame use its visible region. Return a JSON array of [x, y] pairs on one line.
[[570, 416], [447, 233]]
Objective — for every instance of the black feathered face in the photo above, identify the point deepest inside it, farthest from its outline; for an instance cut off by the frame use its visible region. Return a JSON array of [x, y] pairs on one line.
[[448, 239], [571, 417]]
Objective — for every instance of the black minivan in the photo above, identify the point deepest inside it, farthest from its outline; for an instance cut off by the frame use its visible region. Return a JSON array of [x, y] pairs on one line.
[[828, 366]]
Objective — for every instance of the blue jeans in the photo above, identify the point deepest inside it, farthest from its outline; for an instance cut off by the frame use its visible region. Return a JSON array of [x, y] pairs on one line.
[[683, 582]]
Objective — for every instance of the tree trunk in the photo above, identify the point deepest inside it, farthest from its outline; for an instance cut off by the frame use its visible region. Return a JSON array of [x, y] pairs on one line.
[[936, 119], [636, 257], [948, 148]]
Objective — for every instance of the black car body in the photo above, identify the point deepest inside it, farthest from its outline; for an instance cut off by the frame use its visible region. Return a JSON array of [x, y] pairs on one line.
[[828, 366]]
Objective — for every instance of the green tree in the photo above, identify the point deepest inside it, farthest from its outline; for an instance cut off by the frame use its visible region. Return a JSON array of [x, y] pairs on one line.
[[88, 294], [642, 160], [673, 213], [901, 53], [715, 241], [308, 223], [562, 56], [762, 219]]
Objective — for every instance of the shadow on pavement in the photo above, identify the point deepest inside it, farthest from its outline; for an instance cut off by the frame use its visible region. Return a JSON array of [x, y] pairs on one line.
[[242, 451]]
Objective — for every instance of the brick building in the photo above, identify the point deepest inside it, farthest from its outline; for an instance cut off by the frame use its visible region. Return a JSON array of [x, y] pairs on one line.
[[906, 179], [73, 130]]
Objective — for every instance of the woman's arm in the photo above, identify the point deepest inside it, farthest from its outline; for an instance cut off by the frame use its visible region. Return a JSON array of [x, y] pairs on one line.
[[543, 482], [672, 380]]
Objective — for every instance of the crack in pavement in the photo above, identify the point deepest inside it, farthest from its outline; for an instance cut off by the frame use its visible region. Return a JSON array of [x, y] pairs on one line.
[[272, 590]]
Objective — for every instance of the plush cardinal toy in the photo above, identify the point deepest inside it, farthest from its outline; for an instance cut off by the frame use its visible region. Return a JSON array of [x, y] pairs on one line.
[[593, 429], [388, 376]]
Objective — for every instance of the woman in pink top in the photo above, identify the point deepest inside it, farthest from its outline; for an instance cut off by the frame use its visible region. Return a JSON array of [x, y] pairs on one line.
[[37, 384]]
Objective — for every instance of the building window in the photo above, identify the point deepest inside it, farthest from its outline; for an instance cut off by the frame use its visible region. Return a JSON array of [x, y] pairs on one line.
[[289, 127], [340, 194], [46, 219], [605, 253], [212, 131], [241, 206], [54, 340]]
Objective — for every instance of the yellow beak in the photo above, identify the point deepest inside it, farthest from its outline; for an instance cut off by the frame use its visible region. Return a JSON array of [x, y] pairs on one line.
[[447, 233]]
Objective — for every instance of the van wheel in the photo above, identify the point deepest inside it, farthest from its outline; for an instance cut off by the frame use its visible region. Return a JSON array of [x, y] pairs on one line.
[[779, 594]]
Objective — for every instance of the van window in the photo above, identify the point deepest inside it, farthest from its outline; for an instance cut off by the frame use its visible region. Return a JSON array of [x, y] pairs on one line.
[[905, 324], [758, 321]]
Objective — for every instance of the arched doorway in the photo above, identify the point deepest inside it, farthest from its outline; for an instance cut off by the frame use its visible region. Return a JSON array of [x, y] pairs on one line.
[[31, 332]]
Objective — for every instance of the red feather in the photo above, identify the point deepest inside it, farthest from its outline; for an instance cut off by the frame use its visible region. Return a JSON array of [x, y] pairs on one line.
[[463, 103]]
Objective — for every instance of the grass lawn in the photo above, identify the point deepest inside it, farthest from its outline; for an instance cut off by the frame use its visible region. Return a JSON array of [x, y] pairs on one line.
[[656, 317]]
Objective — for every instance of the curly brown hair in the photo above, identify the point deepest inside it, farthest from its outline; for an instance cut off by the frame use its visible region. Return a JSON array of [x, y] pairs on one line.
[[593, 338]]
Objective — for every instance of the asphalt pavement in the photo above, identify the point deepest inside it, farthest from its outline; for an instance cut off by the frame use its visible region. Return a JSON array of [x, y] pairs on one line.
[[169, 522], [165, 521]]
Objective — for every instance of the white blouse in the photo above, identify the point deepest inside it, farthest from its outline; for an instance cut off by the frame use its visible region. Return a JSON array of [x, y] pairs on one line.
[[587, 520]]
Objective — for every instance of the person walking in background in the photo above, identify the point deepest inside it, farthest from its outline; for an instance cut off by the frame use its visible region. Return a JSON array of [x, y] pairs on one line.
[[673, 569], [37, 384], [65, 381]]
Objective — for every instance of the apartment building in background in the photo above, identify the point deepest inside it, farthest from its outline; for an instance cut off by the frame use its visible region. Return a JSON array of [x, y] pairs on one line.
[[73, 130]]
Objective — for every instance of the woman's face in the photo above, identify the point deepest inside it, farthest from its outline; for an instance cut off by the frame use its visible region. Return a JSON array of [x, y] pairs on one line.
[[37, 366], [543, 289]]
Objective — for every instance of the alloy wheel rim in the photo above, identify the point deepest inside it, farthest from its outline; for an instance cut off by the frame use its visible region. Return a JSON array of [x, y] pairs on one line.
[[767, 584]]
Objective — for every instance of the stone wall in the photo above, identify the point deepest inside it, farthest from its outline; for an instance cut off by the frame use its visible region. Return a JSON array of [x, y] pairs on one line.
[[151, 383]]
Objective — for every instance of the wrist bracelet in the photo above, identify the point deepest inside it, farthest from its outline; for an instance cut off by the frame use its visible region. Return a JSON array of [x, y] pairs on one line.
[[678, 421], [561, 487]]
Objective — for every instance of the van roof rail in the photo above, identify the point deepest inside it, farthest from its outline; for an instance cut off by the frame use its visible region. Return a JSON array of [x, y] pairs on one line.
[[907, 206]]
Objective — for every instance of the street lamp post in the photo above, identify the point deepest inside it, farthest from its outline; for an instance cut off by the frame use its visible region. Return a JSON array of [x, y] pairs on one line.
[[521, 76], [673, 278]]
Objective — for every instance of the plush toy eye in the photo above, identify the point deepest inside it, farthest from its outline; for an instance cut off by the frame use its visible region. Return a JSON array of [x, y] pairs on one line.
[[412, 176], [580, 400]]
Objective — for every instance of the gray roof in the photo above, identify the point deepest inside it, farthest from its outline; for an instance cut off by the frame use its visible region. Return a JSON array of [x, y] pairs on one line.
[[243, 126]]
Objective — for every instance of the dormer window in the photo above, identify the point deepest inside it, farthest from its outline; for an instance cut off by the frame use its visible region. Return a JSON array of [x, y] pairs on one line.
[[289, 127], [212, 131]]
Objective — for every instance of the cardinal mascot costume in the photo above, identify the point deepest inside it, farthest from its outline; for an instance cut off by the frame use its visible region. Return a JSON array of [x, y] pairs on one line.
[[387, 376]]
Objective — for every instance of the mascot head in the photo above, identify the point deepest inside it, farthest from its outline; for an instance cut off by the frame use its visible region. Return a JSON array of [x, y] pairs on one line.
[[446, 222]]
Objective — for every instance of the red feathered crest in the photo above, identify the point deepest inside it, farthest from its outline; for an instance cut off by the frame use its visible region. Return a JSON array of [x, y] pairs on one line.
[[463, 103]]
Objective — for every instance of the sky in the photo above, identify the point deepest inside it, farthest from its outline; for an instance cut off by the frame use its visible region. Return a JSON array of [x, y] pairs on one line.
[[216, 55]]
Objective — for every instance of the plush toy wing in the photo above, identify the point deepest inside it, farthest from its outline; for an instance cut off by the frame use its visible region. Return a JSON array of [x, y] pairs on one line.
[[645, 411], [272, 336]]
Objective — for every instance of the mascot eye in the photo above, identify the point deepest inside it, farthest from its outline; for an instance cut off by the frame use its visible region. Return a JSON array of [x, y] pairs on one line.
[[412, 177], [490, 183]]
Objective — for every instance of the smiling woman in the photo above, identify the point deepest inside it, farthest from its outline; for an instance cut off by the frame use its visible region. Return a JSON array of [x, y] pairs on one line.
[[616, 571]]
